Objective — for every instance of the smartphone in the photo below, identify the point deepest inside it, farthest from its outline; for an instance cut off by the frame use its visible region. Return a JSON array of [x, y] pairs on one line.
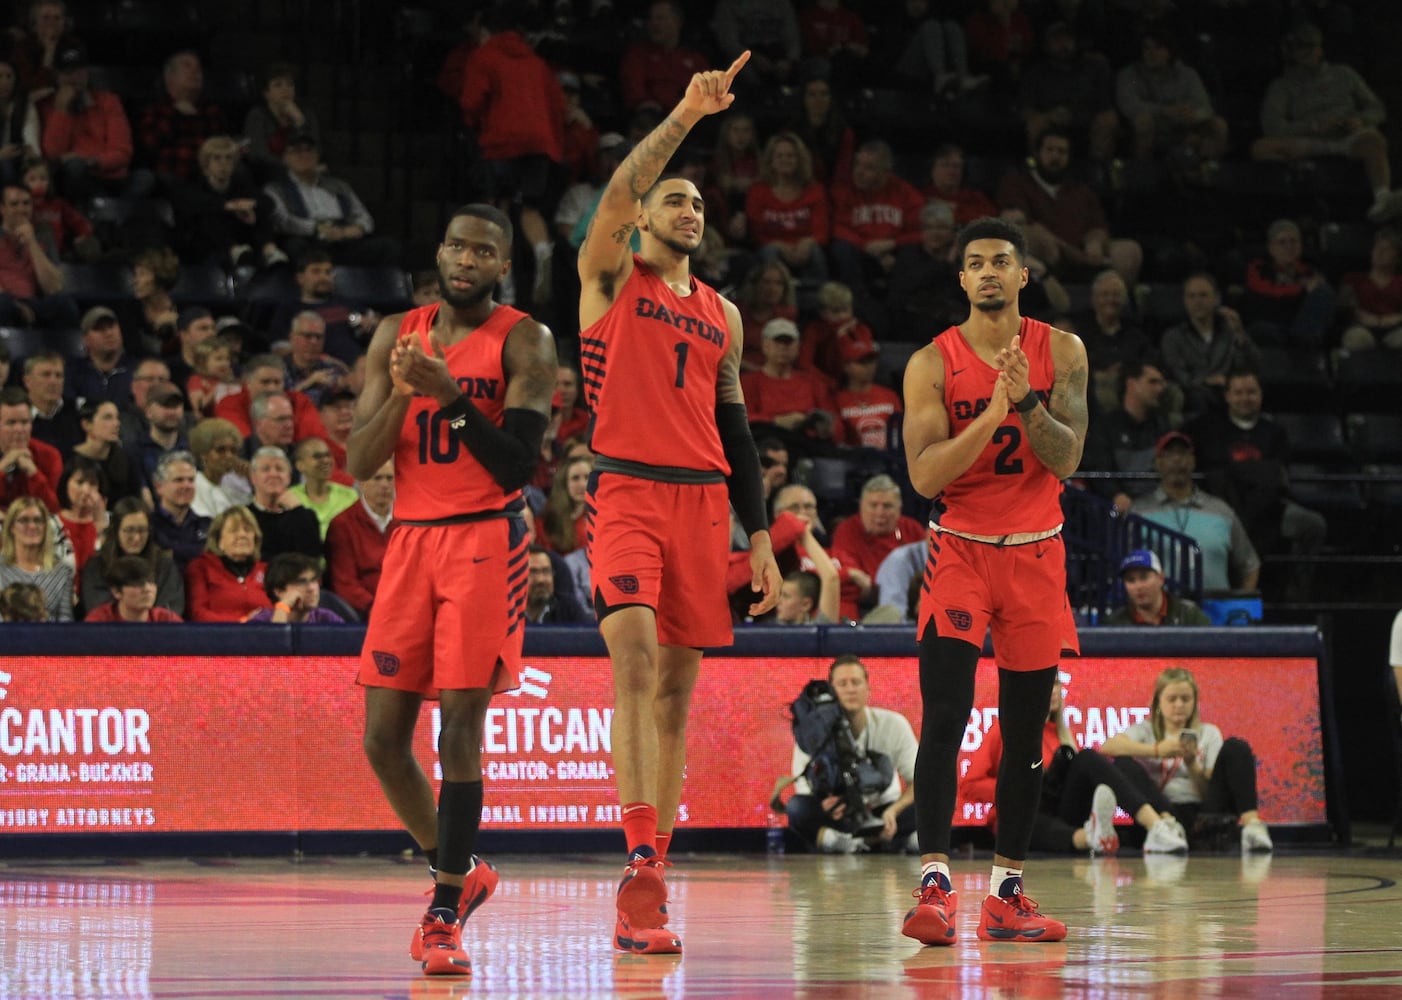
[[1188, 737]]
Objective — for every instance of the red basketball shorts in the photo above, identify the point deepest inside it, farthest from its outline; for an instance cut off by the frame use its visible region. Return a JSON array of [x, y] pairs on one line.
[[666, 546], [1018, 590], [450, 609]]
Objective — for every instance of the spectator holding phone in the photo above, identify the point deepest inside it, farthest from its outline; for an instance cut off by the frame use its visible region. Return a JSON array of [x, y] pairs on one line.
[[1198, 771]]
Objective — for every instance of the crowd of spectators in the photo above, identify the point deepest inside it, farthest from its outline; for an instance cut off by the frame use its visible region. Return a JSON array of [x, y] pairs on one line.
[[862, 139]]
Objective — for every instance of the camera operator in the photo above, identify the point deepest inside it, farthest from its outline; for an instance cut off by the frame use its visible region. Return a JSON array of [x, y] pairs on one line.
[[888, 819]]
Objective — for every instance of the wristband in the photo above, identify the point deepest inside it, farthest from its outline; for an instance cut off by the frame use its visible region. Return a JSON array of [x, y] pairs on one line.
[[1027, 403], [282, 606]]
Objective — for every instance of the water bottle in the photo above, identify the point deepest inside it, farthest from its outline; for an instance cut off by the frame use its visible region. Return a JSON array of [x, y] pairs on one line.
[[774, 833]]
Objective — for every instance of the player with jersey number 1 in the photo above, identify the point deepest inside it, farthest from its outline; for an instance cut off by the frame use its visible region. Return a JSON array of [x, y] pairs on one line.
[[661, 358], [458, 394], [995, 420]]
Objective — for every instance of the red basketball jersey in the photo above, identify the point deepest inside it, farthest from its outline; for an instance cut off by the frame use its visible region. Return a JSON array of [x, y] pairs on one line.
[[1007, 490], [650, 367], [435, 476]]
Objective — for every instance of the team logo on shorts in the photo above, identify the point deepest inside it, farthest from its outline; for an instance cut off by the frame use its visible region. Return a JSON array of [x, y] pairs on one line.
[[625, 584], [386, 663], [961, 620]]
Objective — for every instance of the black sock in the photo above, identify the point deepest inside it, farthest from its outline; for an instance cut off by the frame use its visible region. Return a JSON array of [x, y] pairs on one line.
[[446, 896], [459, 816], [432, 855]]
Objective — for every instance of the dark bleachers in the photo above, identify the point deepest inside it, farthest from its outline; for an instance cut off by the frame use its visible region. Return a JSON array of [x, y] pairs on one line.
[[21, 343], [203, 285], [1370, 377], [1296, 381], [384, 289], [96, 284], [1375, 437], [1316, 437]]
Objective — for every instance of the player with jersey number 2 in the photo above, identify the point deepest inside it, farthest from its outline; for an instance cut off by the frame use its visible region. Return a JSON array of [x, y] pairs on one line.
[[458, 394], [995, 420], [660, 353]]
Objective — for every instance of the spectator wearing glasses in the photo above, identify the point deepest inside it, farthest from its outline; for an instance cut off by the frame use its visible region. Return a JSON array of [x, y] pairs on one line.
[[28, 555], [129, 535], [222, 480], [148, 373], [310, 370]]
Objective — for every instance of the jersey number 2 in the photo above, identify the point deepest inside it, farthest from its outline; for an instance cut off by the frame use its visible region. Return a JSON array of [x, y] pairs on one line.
[[437, 442], [1004, 464]]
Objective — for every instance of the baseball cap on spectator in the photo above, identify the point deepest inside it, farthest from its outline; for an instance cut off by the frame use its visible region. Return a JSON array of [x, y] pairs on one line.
[[339, 396], [301, 137], [95, 316], [859, 349], [189, 314], [1170, 439], [1141, 559], [71, 56], [165, 394], [780, 327]]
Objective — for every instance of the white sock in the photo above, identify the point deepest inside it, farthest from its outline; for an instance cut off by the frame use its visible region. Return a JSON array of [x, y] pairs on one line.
[[938, 872], [1004, 882]]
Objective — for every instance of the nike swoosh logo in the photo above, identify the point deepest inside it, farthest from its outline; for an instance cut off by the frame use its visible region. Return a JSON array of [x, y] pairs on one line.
[[956, 371], [481, 559], [1036, 765], [714, 523]]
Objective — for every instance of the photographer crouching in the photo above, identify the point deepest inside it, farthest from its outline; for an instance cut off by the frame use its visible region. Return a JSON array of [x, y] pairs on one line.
[[852, 767]]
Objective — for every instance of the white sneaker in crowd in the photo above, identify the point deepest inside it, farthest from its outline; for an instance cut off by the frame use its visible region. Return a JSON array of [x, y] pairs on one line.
[[1100, 827], [1166, 837], [1255, 837]]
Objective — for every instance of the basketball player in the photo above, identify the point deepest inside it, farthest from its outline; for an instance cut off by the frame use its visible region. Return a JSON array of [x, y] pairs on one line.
[[457, 393], [661, 359], [995, 419]]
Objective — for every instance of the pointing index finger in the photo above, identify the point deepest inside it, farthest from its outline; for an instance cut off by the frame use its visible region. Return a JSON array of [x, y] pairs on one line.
[[736, 66]]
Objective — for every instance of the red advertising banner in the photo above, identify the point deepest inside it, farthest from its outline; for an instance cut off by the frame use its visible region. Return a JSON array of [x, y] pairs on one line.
[[220, 744]]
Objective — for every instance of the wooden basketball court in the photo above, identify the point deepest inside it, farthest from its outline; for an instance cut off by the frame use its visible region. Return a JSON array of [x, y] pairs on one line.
[[1292, 925]]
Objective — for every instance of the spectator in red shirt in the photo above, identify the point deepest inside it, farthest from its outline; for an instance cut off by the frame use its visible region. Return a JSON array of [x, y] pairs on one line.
[[514, 101], [562, 523], [31, 284], [947, 185], [793, 399], [36, 55], [133, 584], [825, 339], [70, 228], [767, 293], [865, 410], [28, 468], [654, 73], [574, 415], [786, 210], [85, 132], [1372, 299], [1000, 39], [264, 374], [834, 39], [1288, 301], [173, 128], [357, 538], [225, 583], [863, 540], [735, 167], [872, 217]]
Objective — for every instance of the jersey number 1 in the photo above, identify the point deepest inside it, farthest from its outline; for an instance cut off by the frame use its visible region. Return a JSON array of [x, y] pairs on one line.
[[681, 348], [437, 442]]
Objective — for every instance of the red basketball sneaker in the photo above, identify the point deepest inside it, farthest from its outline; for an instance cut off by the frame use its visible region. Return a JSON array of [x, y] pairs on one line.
[[477, 888], [1016, 919], [642, 895], [931, 920], [644, 940], [442, 945]]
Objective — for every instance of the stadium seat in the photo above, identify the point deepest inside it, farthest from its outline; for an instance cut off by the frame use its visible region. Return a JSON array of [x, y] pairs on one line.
[[1370, 375], [385, 289], [1375, 437], [96, 284], [827, 478], [21, 343], [1295, 381], [204, 285], [1345, 247], [1310, 486], [890, 366], [1160, 304], [1316, 437]]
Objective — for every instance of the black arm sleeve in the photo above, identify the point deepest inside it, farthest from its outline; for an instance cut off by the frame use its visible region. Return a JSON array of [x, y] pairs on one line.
[[745, 480], [509, 452]]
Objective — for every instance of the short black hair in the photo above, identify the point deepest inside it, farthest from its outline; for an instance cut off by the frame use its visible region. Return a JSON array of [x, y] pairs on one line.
[[670, 175], [82, 468], [127, 571], [492, 214], [991, 228], [285, 568], [313, 255]]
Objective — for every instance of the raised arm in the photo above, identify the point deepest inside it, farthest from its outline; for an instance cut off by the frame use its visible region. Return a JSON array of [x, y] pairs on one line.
[[379, 413], [604, 258], [934, 458], [1056, 431]]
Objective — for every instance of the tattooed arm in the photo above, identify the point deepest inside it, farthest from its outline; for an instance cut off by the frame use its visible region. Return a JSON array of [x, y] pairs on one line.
[[1057, 431], [604, 257]]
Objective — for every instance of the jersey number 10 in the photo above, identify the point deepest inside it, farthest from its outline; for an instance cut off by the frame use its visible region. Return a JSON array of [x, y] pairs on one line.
[[437, 442]]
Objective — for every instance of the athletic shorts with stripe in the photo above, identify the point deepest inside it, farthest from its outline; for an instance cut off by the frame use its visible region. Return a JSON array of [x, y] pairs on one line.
[[1020, 590], [450, 609], [666, 546]]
